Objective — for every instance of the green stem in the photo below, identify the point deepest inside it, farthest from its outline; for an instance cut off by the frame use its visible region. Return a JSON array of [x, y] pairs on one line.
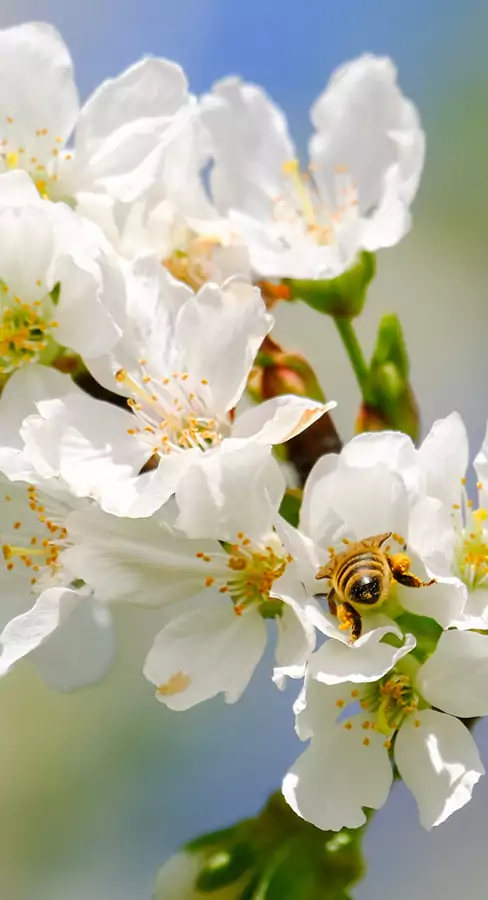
[[354, 352]]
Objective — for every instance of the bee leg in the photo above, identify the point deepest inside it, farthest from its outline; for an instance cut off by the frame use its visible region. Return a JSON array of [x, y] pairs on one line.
[[331, 600], [399, 564], [349, 618]]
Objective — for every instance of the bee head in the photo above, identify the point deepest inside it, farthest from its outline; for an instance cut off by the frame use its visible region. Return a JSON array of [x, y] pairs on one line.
[[367, 589]]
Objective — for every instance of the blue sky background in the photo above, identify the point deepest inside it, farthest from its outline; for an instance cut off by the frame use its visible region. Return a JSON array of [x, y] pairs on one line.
[[97, 789]]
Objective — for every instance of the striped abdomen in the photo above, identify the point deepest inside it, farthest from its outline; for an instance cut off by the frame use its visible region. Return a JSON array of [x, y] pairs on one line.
[[362, 578]]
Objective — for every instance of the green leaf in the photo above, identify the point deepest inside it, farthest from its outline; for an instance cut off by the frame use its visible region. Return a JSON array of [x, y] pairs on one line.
[[290, 505], [340, 297]]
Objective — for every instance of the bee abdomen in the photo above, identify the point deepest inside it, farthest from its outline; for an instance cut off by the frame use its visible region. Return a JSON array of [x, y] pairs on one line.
[[361, 577]]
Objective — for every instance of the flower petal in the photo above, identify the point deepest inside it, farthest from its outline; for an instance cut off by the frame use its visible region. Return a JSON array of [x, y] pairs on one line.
[[37, 91], [125, 126], [80, 651], [280, 419], [250, 143], [296, 634], [142, 561], [219, 331], [455, 677], [237, 487], [28, 631], [205, 652], [337, 776], [366, 660], [439, 761], [443, 458]]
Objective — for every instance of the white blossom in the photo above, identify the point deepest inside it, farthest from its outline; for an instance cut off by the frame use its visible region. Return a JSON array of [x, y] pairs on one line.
[[378, 485], [366, 157], [121, 133], [46, 609], [355, 730], [221, 555], [183, 363], [58, 279]]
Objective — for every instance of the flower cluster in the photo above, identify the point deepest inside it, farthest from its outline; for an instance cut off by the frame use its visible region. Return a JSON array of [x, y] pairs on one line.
[[136, 291]]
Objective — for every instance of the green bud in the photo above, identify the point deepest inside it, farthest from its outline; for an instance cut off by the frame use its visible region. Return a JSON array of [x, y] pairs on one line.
[[391, 402], [224, 867], [343, 296]]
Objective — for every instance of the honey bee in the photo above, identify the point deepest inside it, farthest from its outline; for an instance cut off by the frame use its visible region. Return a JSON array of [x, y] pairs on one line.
[[360, 579]]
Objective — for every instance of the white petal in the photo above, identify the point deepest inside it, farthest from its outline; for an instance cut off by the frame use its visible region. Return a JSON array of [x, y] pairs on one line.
[[336, 777], [481, 467], [205, 652], [296, 634], [455, 677], [237, 487], [306, 555], [366, 660], [443, 601], [366, 126], [443, 458], [80, 651], [84, 321], [86, 443], [28, 631], [219, 331], [391, 448], [142, 561], [250, 143], [431, 534], [124, 126], [279, 419], [315, 496], [439, 762], [38, 91]]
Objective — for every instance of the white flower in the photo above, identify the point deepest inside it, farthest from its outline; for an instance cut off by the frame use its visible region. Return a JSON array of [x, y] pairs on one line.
[[68, 632], [121, 132], [183, 363], [355, 729], [464, 537], [378, 485], [366, 157], [232, 570], [58, 281], [174, 218]]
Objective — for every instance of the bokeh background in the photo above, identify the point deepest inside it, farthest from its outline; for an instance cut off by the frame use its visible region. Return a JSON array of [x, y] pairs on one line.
[[97, 789]]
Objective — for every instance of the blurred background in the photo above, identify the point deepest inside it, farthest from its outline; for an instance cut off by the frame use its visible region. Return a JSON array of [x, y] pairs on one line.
[[98, 789]]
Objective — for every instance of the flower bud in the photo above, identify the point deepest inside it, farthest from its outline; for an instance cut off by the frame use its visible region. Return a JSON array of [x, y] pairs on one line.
[[196, 875], [391, 402], [277, 372], [343, 296]]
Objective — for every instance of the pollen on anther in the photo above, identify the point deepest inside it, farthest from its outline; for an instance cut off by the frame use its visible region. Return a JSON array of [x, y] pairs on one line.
[[387, 745], [224, 589], [348, 726], [366, 742], [340, 703], [346, 541], [355, 693], [203, 381], [17, 525], [456, 506], [366, 725], [417, 723], [209, 581]]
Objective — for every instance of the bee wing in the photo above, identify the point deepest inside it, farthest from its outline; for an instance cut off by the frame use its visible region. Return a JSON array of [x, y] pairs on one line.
[[326, 571], [377, 540]]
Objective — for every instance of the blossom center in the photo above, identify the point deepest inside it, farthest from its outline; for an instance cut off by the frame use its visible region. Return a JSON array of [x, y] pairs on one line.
[[320, 216], [252, 570], [172, 412], [194, 264], [38, 541], [390, 699], [23, 328], [472, 546], [37, 153]]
